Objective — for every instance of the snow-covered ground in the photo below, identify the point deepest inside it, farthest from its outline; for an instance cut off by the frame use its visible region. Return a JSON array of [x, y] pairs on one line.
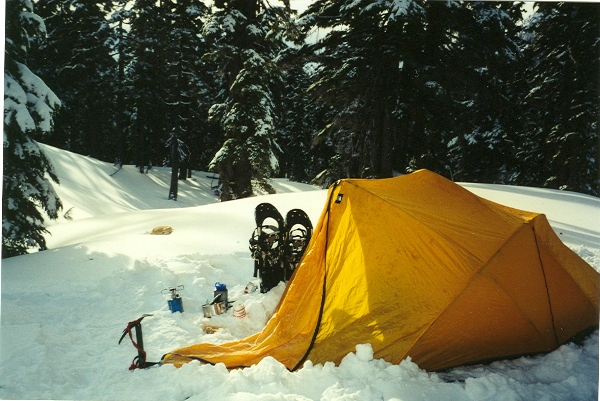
[[63, 310]]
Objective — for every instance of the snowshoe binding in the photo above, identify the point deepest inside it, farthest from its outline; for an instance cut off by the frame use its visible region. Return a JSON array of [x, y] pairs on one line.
[[266, 246], [298, 233]]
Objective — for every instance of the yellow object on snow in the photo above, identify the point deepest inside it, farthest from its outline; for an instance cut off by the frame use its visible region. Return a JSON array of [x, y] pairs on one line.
[[162, 230], [419, 266]]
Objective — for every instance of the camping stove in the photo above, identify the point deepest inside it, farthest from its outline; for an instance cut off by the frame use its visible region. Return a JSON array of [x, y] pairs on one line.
[[175, 303]]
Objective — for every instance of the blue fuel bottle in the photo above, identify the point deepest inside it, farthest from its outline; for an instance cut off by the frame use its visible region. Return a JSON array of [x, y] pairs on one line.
[[221, 289]]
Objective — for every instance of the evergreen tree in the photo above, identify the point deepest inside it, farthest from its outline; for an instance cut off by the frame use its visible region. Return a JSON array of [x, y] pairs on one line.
[[560, 148], [386, 56], [246, 41], [119, 21], [484, 62], [426, 112], [29, 106], [186, 94], [168, 91], [425, 85], [303, 155], [76, 60], [147, 98]]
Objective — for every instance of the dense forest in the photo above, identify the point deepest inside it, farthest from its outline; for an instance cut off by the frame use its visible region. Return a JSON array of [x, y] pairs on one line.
[[250, 90]]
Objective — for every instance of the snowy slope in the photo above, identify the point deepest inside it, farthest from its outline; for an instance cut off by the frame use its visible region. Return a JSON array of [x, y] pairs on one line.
[[63, 310]]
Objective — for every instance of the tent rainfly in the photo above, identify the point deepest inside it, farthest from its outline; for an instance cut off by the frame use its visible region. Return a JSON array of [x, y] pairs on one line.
[[419, 267]]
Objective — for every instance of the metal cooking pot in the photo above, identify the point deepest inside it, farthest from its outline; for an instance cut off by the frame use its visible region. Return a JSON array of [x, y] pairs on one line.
[[214, 309]]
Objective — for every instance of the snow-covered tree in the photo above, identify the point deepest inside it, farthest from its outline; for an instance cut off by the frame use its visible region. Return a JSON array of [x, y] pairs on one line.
[[29, 106], [186, 94], [167, 79], [246, 41], [302, 158], [484, 61], [76, 61], [416, 75], [119, 21], [377, 70], [147, 95], [560, 139]]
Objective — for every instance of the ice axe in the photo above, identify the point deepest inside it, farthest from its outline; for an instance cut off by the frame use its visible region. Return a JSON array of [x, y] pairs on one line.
[[139, 362]]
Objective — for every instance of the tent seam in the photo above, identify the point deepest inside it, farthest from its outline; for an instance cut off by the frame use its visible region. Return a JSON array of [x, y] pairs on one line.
[[537, 247], [568, 272], [458, 294]]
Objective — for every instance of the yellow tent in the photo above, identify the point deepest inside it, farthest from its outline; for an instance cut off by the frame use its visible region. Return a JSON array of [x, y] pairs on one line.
[[418, 266]]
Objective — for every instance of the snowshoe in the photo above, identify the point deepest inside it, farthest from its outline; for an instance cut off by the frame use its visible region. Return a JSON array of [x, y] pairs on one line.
[[266, 246], [298, 234]]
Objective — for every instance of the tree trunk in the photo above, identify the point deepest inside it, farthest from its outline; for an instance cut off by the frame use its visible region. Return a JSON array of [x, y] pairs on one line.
[[120, 120], [225, 174], [380, 164], [174, 171], [184, 172]]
